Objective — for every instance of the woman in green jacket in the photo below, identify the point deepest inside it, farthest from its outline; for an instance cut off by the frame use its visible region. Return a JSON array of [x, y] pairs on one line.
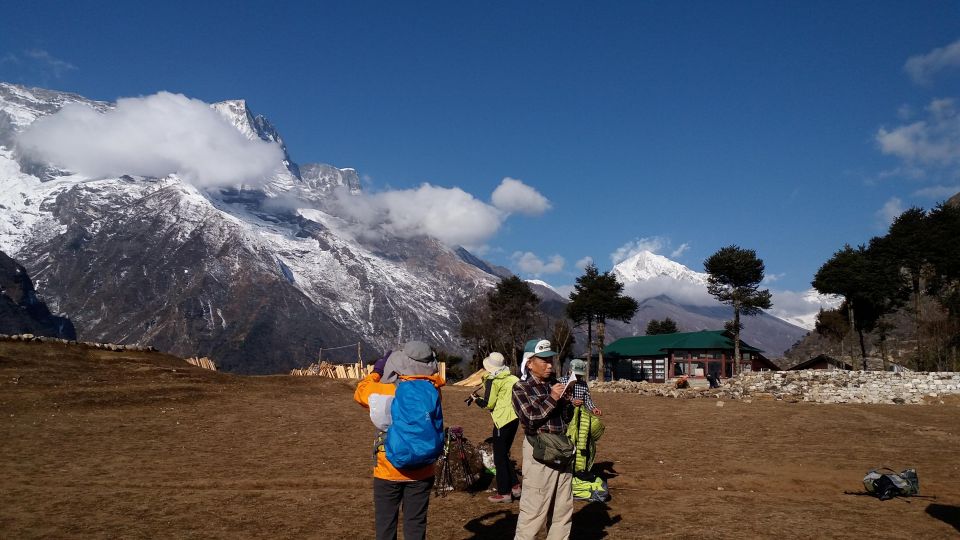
[[498, 384]]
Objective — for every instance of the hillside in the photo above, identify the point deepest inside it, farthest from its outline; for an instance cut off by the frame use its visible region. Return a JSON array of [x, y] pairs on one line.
[[259, 277]]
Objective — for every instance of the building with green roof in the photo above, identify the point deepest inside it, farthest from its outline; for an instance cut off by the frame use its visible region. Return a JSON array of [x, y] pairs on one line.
[[661, 357]]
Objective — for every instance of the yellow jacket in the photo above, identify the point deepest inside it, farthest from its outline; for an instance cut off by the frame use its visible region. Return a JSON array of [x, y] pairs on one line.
[[377, 397]]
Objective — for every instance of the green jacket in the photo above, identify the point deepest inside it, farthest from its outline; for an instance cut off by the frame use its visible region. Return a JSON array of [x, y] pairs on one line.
[[498, 397]]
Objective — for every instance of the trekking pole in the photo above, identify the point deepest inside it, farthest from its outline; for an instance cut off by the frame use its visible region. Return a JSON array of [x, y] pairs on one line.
[[468, 475]]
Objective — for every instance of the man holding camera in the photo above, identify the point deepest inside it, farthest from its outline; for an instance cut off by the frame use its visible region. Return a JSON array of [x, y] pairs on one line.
[[542, 406], [497, 398]]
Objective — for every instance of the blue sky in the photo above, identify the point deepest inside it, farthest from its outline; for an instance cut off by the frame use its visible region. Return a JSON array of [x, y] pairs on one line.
[[790, 128]]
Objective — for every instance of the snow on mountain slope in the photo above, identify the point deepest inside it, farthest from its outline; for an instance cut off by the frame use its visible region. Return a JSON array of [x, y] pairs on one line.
[[812, 300], [260, 279], [543, 284], [646, 265], [23, 105]]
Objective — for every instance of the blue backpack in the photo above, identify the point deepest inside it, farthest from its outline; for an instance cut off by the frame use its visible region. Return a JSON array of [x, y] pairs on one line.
[[415, 438]]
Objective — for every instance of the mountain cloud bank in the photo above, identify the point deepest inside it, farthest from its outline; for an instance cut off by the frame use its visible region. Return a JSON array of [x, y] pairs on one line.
[[155, 136], [450, 215]]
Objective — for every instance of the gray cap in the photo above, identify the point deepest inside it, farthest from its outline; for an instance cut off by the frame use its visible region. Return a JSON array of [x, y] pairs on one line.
[[415, 358], [418, 350]]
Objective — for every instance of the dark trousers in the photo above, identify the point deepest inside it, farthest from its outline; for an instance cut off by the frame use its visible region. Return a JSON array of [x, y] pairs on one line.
[[502, 441], [387, 499]]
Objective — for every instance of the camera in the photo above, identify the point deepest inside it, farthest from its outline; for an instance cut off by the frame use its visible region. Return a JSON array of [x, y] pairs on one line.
[[470, 399]]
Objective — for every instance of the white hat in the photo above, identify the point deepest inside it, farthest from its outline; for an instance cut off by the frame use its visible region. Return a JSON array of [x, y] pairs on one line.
[[493, 362]]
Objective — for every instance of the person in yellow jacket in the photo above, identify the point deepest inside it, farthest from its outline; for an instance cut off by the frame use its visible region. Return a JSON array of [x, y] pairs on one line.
[[498, 384], [392, 486]]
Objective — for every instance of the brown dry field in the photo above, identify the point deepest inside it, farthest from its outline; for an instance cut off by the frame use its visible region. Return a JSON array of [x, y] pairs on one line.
[[142, 445]]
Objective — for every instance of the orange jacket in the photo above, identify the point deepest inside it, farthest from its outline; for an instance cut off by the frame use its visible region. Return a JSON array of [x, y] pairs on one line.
[[376, 396]]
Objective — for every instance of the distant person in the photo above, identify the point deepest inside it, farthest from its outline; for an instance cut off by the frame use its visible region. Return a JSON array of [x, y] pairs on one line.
[[384, 393], [498, 398], [581, 389], [542, 407]]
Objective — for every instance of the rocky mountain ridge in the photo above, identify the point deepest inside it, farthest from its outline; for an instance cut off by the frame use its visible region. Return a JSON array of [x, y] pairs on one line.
[[259, 287], [263, 277], [21, 310]]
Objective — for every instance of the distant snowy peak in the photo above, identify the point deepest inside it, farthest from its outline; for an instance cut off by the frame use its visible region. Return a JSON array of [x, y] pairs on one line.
[[814, 301], [646, 265], [543, 284], [254, 127], [324, 178], [21, 105]]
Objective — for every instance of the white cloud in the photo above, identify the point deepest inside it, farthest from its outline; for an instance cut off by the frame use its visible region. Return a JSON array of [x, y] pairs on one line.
[[583, 263], [770, 278], [683, 292], [564, 290], [56, 66], [889, 211], [516, 197], [450, 215], [151, 136], [529, 263], [922, 68], [680, 250], [652, 244], [905, 112], [937, 192], [927, 145], [801, 307]]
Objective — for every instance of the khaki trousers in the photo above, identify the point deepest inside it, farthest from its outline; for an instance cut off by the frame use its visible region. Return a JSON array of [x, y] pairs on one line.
[[547, 497]]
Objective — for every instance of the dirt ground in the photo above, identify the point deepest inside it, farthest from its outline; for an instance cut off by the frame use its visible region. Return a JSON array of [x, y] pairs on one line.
[[141, 445]]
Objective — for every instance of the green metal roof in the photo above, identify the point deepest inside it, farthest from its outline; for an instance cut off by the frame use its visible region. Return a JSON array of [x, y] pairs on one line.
[[659, 344]]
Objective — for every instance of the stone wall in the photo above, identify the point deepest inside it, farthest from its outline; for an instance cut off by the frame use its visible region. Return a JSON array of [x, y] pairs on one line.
[[819, 386], [92, 345], [839, 386]]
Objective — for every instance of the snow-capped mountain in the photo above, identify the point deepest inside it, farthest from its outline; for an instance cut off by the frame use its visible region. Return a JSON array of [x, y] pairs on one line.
[[665, 288], [544, 284], [646, 265], [260, 279], [813, 299]]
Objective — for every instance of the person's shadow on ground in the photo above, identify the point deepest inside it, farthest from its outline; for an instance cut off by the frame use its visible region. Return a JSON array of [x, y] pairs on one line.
[[604, 469], [945, 513], [589, 522]]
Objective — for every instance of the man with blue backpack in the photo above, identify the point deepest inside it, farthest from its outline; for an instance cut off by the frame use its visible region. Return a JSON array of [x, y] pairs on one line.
[[403, 397]]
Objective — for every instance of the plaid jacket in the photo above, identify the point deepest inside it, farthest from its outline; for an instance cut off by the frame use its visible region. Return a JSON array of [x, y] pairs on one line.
[[537, 410], [581, 390]]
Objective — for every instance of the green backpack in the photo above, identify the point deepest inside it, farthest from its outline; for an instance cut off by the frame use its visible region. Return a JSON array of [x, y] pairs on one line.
[[584, 430]]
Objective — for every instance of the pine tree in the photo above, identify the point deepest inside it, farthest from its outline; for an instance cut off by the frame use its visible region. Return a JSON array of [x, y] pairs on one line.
[[870, 284], [906, 246], [734, 278], [513, 308], [666, 326], [597, 298]]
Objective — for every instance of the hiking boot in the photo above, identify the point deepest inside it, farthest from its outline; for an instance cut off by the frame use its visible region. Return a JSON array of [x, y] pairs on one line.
[[500, 498], [515, 491]]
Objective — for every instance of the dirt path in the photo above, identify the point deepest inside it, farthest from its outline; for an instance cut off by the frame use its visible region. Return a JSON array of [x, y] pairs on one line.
[[140, 445]]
